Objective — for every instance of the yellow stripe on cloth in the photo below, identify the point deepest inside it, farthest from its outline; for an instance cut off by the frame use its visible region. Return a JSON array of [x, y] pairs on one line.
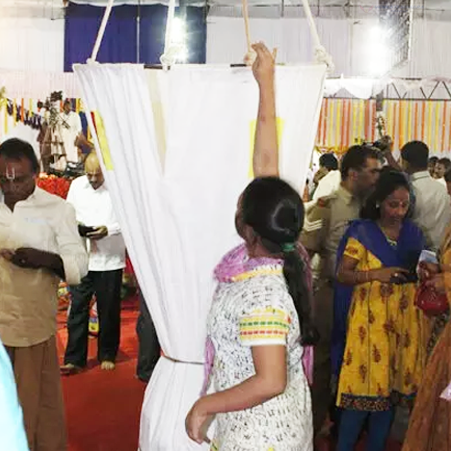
[[257, 272], [103, 142]]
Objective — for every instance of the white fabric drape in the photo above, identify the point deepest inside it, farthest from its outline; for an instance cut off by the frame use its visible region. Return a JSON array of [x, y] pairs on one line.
[[226, 42], [361, 88], [38, 84], [348, 41], [179, 221], [31, 43]]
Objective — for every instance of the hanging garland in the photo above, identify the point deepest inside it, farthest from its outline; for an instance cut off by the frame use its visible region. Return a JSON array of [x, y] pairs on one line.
[[2, 96], [28, 117], [23, 115], [337, 150]]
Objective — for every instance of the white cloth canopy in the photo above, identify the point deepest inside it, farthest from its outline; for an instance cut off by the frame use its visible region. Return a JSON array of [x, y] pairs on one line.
[[178, 217]]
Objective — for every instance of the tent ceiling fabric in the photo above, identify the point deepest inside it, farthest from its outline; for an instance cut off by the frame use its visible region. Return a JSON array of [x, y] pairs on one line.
[[432, 4], [429, 4]]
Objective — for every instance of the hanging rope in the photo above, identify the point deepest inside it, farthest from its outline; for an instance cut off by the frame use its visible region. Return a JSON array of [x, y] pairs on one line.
[[250, 56], [321, 55], [101, 32], [246, 25], [171, 51]]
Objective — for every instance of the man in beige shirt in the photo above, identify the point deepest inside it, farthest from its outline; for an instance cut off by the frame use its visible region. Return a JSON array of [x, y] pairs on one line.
[[39, 246], [325, 224]]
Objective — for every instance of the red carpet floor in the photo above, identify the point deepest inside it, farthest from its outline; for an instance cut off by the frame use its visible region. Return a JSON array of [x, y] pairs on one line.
[[103, 408]]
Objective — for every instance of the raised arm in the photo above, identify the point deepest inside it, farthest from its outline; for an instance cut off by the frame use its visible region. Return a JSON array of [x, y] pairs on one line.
[[266, 148], [387, 149]]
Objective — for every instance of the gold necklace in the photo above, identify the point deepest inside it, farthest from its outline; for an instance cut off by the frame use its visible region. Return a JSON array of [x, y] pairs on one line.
[[388, 233]]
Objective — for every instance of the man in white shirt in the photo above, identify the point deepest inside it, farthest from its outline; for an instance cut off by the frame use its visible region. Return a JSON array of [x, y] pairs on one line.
[[39, 246], [327, 185], [71, 128], [441, 168], [97, 222], [330, 182], [448, 182], [432, 212]]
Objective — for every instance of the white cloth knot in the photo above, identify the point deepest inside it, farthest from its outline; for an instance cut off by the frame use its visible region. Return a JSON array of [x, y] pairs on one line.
[[250, 57], [323, 57], [171, 55]]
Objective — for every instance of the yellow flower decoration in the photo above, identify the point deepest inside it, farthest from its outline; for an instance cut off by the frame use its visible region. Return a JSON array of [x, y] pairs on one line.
[[2, 96]]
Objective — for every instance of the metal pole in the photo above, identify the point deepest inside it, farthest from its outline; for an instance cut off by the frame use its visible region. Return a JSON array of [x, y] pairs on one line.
[[138, 33], [101, 32]]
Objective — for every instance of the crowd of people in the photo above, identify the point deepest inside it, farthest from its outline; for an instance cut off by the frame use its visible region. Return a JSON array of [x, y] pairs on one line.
[[43, 240], [360, 273], [367, 240], [376, 232]]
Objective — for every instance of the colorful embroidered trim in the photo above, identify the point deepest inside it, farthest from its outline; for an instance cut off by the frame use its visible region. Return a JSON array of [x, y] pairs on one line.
[[265, 324], [366, 403], [375, 403], [256, 272]]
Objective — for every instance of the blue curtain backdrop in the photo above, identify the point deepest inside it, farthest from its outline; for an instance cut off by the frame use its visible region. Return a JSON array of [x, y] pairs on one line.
[[120, 42], [81, 28]]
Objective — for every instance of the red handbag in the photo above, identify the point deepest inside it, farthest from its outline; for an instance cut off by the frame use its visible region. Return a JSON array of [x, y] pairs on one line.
[[431, 302]]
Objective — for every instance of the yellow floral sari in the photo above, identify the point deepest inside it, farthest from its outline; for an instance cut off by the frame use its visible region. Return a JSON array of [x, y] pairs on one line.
[[384, 355]]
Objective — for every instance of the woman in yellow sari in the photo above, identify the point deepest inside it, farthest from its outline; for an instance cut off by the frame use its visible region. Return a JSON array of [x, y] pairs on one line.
[[383, 356], [430, 423]]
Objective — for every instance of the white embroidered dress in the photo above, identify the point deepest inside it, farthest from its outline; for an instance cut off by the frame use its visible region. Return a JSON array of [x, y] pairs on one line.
[[255, 309]]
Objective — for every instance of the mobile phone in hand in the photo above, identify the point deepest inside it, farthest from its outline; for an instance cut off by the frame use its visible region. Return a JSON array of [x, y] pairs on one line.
[[410, 277], [84, 230], [428, 257]]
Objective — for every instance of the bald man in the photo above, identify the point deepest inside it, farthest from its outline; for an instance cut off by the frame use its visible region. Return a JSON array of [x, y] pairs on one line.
[[98, 224]]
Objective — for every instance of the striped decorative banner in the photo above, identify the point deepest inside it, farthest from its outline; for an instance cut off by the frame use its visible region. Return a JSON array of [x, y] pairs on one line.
[[344, 122]]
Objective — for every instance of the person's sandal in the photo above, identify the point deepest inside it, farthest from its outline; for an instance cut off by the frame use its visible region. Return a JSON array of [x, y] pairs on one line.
[[107, 365], [70, 369]]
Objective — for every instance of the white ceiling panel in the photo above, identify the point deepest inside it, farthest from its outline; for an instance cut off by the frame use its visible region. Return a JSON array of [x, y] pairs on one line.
[[429, 4]]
